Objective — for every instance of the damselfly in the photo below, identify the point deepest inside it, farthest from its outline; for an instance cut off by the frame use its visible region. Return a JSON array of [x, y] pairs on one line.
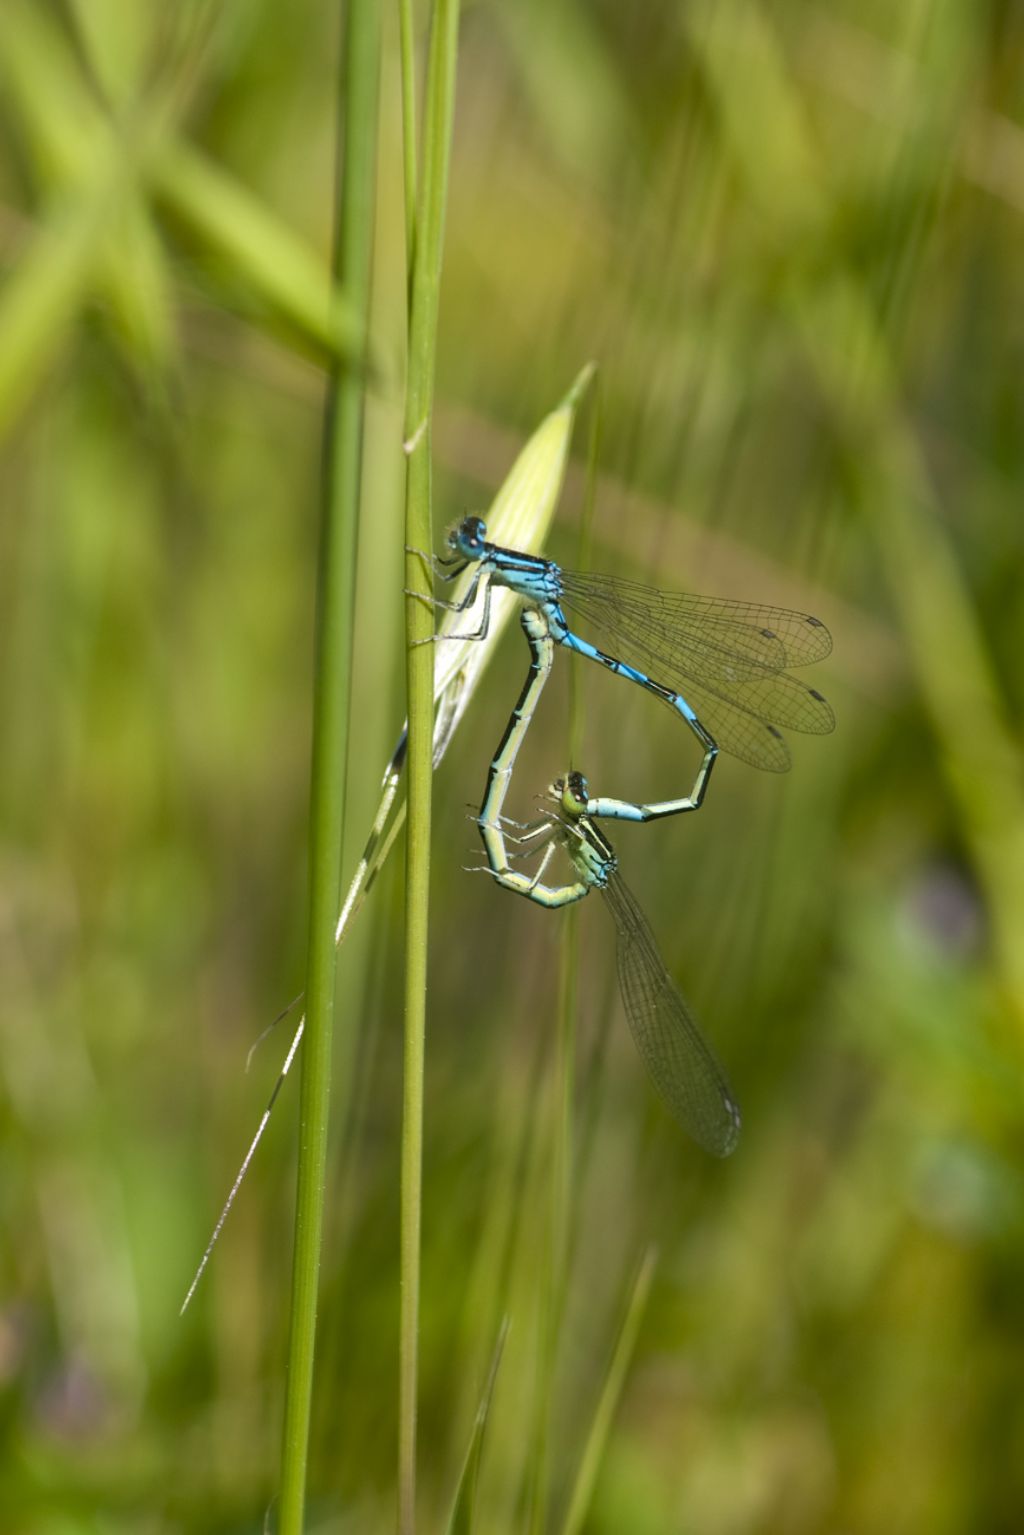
[[681, 1063], [679, 1060], [722, 665]]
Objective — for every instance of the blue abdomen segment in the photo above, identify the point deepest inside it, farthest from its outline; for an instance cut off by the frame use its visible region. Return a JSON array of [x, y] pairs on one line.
[[630, 810], [563, 634]]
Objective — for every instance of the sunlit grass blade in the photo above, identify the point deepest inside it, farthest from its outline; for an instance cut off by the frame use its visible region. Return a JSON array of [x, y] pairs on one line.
[[520, 516], [117, 40]]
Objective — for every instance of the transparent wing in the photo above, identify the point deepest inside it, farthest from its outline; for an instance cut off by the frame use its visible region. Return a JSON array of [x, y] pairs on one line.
[[678, 1058], [740, 734], [764, 638], [746, 723], [727, 659]]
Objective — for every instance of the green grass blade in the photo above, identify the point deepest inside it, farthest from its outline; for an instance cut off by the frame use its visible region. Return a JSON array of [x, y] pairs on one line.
[[117, 40], [552, 1299], [261, 255], [407, 44], [426, 276], [67, 137], [41, 297], [597, 1439], [360, 68], [461, 1520], [553, 1284]]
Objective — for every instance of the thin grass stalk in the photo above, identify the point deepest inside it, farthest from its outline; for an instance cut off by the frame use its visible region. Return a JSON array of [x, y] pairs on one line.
[[570, 954], [597, 1439], [583, 550], [425, 285], [556, 1254], [341, 477], [552, 1302], [569, 988], [463, 1513], [563, 1156], [407, 46]]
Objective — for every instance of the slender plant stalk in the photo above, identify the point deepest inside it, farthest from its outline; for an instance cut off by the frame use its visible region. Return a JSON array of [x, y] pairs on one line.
[[463, 1508], [597, 1439], [342, 464], [425, 284], [407, 45], [585, 1126], [552, 1305], [552, 1301]]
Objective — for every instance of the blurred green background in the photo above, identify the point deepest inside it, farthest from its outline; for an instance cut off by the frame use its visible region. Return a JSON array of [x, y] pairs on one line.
[[792, 234]]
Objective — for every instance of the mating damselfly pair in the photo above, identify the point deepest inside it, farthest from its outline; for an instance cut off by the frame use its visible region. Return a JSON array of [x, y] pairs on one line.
[[724, 668]]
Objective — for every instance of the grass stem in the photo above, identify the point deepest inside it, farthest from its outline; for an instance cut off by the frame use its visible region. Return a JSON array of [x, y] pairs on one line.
[[407, 45], [425, 285], [611, 1391], [341, 477]]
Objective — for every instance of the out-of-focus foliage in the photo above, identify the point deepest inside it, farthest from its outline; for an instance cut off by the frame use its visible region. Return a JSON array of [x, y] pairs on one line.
[[793, 236]]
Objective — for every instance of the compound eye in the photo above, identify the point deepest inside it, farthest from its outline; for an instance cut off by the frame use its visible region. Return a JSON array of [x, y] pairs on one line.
[[474, 530], [578, 787], [575, 792]]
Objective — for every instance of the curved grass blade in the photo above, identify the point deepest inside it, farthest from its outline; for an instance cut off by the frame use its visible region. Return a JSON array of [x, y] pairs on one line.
[[461, 1519], [597, 1439]]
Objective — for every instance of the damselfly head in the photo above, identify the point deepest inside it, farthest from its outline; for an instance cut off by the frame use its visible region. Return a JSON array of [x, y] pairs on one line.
[[577, 787], [571, 793], [468, 537]]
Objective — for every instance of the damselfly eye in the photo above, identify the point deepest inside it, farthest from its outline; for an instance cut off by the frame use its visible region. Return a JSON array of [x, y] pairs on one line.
[[577, 789], [468, 537]]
